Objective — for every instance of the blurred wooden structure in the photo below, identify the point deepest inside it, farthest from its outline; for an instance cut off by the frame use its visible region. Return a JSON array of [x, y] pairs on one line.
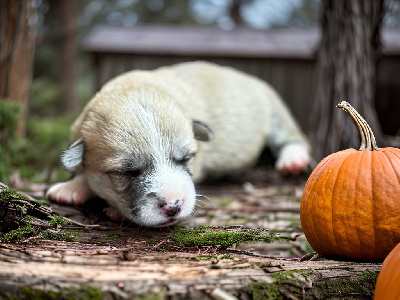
[[282, 57]]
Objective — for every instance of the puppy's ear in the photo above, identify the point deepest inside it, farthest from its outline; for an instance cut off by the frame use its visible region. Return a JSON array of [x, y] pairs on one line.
[[202, 132], [72, 158]]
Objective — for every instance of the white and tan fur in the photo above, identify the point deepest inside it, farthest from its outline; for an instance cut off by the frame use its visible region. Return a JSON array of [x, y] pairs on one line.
[[143, 140]]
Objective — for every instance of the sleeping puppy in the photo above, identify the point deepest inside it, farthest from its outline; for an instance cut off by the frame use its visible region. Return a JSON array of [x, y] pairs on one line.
[[147, 136]]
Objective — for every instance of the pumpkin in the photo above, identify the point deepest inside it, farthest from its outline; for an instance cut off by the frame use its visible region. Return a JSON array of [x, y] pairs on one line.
[[388, 283], [350, 205]]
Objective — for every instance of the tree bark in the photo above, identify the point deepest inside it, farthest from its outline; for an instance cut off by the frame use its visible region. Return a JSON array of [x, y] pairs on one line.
[[17, 37], [69, 19], [346, 70], [121, 271]]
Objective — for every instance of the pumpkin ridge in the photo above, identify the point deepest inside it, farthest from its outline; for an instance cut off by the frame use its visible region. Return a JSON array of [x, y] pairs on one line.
[[331, 233], [391, 163], [348, 235], [316, 235], [386, 160], [334, 191], [325, 177], [357, 229], [310, 192], [373, 189]]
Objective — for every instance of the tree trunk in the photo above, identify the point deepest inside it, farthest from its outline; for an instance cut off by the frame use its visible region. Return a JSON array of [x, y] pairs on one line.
[[346, 69], [69, 19], [17, 37]]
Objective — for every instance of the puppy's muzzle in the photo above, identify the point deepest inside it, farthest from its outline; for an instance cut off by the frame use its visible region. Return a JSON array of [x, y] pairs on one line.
[[171, 208]]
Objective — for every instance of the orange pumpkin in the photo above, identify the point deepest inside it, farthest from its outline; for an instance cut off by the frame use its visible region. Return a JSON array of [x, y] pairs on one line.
[[388, 283], [350, 206]]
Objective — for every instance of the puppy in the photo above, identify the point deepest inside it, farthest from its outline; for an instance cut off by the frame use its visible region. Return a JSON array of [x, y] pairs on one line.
[[147, 136]]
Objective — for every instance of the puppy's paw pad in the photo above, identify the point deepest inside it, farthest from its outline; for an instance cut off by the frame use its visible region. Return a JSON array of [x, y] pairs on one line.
[[73, 192], [293, 159], [114, 214]]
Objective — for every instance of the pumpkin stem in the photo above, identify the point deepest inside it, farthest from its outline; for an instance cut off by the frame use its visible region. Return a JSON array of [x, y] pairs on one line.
[[368, 141]]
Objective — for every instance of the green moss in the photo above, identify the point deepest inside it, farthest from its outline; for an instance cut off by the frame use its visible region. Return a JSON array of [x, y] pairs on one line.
[[151, 242], [205, 257], [113, 237], [24, 218], [224, 202], [42, 202], [29, 231], [50, 235], [289, 275], [265, 265], [85, 292], [210, 236], [92, 293], [213, 256], [159, 296], [368, 275], [8, 194], [364, 286], [261, 290], [58, 221], [104, 239], [19, 234], [226, 256], [37, 294]]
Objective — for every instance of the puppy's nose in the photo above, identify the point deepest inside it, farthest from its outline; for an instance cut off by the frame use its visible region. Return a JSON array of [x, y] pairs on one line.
[[171, 208]]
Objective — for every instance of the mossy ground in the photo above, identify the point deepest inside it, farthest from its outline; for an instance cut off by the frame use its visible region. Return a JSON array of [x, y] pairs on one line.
[[24, 218], [219, 237], [262, 290], [284, 279], [361, 288], [364, 286], [85, 292]]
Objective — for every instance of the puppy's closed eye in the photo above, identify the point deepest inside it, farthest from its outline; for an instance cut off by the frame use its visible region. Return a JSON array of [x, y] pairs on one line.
[[133, 173], [184, 159], [130, 173]]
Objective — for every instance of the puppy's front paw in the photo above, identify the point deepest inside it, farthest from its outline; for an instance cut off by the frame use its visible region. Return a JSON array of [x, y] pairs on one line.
[[293, 159], [114, 214], [73, 192]]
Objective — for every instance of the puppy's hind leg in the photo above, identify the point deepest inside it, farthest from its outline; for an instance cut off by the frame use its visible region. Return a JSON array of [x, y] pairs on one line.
[[76, 191], [287, 141]]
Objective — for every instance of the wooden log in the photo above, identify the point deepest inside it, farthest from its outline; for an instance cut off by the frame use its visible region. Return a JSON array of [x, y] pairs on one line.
[[130, 262], [130, 268]]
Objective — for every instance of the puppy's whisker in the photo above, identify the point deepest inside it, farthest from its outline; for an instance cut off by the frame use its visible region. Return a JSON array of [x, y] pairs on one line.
[[204, 197]]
